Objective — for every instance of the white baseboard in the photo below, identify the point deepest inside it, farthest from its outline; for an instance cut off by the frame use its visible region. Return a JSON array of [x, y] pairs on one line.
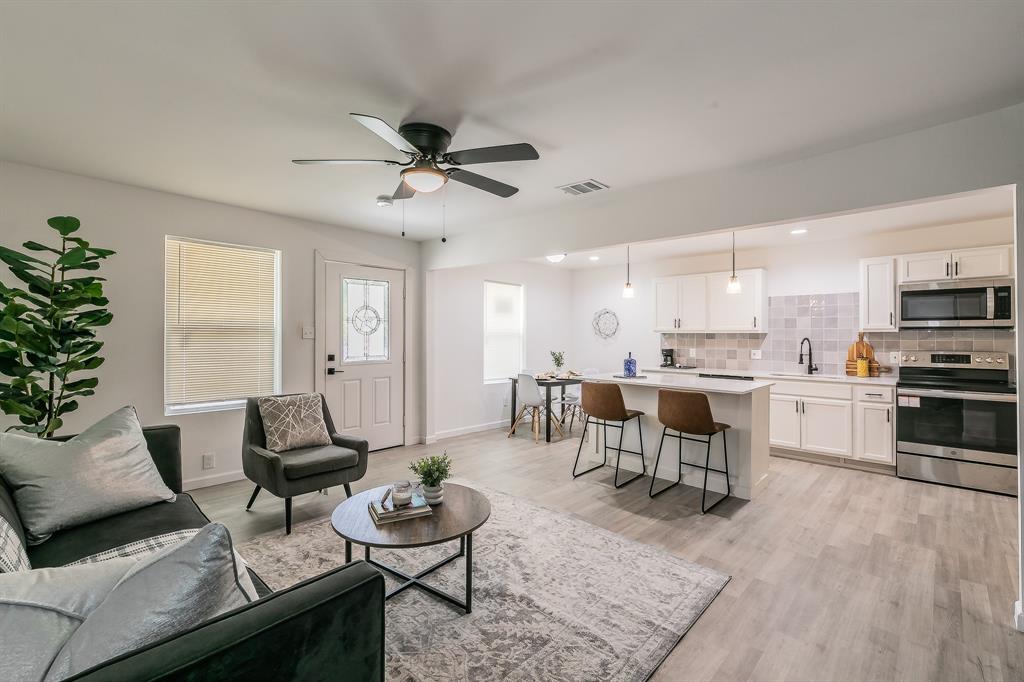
[[462, 431], [1018, 615], [213, 479]]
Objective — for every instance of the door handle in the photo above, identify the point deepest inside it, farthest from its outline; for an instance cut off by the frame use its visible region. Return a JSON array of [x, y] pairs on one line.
[[332, 371]]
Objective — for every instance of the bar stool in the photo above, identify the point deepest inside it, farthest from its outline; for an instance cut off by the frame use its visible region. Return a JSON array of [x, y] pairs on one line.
[[688, 412], [602, 403]]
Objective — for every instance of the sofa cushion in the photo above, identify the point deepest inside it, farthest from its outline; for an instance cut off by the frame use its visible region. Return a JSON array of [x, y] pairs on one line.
[[294, 421], [12, 549], [160, 596], [321, 460], [9, 512], [104, 470], [72, 544]]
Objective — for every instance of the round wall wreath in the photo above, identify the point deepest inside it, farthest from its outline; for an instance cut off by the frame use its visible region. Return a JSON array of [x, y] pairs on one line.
[[605, 323]]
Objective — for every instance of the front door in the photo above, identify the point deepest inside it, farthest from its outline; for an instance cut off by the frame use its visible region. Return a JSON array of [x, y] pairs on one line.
[[365, 347]]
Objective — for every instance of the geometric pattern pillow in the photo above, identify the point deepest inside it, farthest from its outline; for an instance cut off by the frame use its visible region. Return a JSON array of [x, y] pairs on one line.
[[12, 553], [294, 421]]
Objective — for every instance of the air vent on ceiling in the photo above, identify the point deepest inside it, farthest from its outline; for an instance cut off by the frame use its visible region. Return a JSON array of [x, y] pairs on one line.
[[583, 187]]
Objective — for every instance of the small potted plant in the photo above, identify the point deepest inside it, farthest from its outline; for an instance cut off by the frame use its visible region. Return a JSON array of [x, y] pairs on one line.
[[432, 472], [558, 357]]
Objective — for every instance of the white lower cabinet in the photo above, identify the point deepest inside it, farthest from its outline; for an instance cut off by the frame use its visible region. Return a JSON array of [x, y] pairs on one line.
[[826, 425], [784, 421], [874, 432]]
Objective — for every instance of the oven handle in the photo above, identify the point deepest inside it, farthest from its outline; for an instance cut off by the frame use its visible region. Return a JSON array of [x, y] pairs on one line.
[[957, 395]]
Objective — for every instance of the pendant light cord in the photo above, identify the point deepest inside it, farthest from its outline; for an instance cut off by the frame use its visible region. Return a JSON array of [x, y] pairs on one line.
[[733, 254], [627, 264]]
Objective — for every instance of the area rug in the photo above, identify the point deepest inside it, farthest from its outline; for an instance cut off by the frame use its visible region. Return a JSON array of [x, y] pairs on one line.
[[555, 598]]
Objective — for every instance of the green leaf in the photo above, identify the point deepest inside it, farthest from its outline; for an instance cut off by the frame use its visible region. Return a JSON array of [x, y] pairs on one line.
[[67, 406], [73, 258], [36, 246], [15, 408], [6, 253], [64, 224], [101, 253], [91, 382]]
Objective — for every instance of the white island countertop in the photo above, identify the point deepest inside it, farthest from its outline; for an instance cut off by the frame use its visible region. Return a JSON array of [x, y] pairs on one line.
[[884, 380], [686, 382]]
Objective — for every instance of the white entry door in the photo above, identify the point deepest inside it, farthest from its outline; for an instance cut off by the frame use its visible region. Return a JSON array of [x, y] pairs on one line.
[[365, 352]]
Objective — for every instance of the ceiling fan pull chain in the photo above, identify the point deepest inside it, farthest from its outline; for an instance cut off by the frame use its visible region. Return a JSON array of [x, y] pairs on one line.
[[444, 214], [403, 218]]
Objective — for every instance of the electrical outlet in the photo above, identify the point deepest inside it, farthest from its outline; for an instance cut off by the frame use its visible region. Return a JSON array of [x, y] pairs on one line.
[[755, 353], [894, 358], [309, 332], [693, 352], [209, 460]]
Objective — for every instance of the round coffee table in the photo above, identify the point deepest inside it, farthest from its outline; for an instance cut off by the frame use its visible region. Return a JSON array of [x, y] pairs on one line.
[[462, 512]]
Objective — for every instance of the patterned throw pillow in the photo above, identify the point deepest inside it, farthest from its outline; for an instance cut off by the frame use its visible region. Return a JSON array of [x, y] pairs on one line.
[[294, 421], [12, 553]]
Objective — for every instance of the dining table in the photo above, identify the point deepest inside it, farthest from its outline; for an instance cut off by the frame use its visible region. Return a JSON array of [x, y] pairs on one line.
[[547, 385]]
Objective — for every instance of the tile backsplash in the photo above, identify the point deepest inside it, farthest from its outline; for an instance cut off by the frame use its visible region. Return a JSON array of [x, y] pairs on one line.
[[831, 322]]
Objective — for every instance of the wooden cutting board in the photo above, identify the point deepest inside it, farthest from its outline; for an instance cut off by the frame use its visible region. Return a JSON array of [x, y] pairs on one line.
[[861, 349]]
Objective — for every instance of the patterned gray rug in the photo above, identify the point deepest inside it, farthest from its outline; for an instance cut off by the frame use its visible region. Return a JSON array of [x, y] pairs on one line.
[[554, 598]]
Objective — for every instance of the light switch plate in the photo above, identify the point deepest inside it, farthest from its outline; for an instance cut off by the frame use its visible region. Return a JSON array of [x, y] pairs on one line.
[[755, 353], [894, 358], [309, 332], [693, 352], [209, 461]]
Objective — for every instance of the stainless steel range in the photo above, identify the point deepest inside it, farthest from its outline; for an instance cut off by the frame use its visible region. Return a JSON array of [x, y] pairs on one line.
[[956, 420]]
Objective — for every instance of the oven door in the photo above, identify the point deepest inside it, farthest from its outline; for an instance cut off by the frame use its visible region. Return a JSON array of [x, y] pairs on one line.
[[971, 427]]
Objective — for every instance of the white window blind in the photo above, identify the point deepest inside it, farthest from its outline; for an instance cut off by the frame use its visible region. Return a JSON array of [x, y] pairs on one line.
[[221, 324], [503, 330]]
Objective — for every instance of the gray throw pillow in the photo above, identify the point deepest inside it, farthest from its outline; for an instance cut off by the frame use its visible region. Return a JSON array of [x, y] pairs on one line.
[[163, 595], [105, 470], [294, 421], [12, 550]]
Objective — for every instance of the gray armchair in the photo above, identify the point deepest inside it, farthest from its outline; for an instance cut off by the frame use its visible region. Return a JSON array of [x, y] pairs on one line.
[[305, 470]]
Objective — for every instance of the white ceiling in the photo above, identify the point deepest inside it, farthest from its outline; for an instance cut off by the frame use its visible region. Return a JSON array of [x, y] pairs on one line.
[[992, 203], [213, 99]]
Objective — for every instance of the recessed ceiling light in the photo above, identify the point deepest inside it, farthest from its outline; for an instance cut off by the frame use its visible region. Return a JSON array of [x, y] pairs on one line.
[[594, 258], [799, 230], [556, 258]]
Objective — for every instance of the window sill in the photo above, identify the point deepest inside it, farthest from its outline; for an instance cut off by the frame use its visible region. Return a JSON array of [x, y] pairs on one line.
[[490, 382], [199, 408]]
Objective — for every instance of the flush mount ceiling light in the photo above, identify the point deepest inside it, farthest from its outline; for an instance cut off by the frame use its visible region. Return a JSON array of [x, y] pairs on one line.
[[556, 258], [734, 286], [594, 258], [628, 291], [384, 201], [424, 178], [799, 230]]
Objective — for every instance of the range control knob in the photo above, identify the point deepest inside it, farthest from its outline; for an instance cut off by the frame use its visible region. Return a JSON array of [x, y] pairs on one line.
[[913, 358], [978, 358], [988, 360], [999, 361], [903, 358]]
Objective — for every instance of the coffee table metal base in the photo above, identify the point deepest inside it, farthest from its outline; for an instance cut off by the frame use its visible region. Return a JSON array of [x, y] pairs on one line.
[[465, 549]]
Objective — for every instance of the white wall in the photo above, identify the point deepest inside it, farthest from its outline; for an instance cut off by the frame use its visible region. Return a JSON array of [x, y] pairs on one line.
[[133, 221], [792, 269], [458, 399]]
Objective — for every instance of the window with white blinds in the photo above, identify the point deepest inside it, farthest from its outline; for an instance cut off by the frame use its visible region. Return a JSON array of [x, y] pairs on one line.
[[221, 324], [503, 330]]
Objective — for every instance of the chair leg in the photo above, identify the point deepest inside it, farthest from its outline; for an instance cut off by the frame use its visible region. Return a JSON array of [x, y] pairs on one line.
[[580, 450], [654, 471], [622, 434], [253, 498], [515, 423], [287, 516], [558, 426], [536, 425], [348, 490]]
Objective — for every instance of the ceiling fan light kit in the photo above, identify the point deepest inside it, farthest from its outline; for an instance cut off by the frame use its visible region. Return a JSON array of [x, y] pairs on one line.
[[424, 178]]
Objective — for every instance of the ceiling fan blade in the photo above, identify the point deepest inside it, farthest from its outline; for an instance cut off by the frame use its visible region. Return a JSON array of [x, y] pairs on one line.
[[347, 162], [505, 152], [403, 191], [389, 134], [481, 182]]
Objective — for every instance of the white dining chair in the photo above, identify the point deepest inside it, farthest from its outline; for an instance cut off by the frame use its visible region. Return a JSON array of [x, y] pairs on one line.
[[529, 395]]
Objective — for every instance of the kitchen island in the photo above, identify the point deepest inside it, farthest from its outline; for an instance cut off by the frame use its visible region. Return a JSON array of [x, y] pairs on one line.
[[743, 404]]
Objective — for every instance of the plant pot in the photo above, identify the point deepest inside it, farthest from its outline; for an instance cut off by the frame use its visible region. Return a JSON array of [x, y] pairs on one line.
[[433, 495]]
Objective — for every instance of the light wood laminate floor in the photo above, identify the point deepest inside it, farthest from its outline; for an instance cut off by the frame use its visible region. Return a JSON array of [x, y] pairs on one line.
[[836, 574]]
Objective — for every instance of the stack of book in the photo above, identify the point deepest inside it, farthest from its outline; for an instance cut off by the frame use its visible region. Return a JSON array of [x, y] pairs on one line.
[[384, 511]]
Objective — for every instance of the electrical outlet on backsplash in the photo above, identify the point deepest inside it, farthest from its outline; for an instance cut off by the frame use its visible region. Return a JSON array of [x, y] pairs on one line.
[[831, 322]]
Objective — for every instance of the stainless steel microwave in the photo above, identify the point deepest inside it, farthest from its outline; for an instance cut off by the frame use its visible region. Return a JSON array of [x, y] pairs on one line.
[[965, 303]]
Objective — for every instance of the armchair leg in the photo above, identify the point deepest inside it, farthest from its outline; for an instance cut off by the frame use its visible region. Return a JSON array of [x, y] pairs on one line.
[[348, 490], [287, 516], [253, 498]]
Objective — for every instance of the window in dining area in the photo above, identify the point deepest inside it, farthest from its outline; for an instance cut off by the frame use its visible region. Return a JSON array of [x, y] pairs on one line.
[[503, 330]]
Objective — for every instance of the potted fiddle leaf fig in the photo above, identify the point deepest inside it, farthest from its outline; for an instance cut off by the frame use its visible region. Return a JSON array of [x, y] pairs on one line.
[[48, 328], [432, 472]]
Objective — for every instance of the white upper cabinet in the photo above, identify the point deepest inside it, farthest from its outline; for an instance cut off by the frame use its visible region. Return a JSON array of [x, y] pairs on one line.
[[985, 262], [926, 267], [877, 294], [992, 261], [736, 312], [693, 303], [666, 304]]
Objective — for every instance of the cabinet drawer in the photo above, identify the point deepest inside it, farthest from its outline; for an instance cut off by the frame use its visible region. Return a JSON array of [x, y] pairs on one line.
[[874, 394], [813, 389]]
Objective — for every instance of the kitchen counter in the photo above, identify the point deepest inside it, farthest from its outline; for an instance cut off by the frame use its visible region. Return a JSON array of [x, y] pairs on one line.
[[686, 380], [884, 380]]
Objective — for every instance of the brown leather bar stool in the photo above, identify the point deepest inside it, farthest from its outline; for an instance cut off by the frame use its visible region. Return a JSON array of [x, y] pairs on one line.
[[602, 403], [688, 412]]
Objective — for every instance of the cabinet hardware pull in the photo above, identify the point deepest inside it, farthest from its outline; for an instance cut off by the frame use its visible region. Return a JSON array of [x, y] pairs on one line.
[[803, 407], [877, 395], [796, 404], [755, 321], [887, 415], [947, 269], [890, 319], [956, 269]]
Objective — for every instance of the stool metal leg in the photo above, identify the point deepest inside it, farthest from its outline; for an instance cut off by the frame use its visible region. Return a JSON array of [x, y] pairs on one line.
[[579, 450], [643, 465], [654, 471], [707, 468]]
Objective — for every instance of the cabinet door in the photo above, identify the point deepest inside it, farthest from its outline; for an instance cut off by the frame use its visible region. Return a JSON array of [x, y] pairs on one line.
[[874, 432], [926, 267], [826, 426], [987, 262], [693, 303], [784, 421], [666, 304], [732, 312], [877, 295]]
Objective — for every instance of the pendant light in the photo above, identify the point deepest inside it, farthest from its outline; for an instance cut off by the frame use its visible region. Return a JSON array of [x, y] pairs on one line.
[[628, 291], [734, 286]]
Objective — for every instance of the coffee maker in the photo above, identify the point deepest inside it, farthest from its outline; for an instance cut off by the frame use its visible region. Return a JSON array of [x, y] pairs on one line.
[[667, 357]]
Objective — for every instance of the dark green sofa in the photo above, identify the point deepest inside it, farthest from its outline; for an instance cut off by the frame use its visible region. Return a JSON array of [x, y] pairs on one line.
[[327, 628]]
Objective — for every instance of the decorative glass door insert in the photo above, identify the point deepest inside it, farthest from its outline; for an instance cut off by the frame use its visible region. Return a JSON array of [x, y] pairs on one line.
[[365, 326]]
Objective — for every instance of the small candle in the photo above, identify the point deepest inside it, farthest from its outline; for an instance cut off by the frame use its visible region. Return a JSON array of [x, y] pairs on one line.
[[402, 493]]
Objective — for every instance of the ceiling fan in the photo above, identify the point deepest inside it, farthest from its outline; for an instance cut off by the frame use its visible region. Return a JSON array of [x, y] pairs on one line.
[[426, 146]]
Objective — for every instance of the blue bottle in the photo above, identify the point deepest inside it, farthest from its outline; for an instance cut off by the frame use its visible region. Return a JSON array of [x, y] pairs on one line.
[[629, 367]]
